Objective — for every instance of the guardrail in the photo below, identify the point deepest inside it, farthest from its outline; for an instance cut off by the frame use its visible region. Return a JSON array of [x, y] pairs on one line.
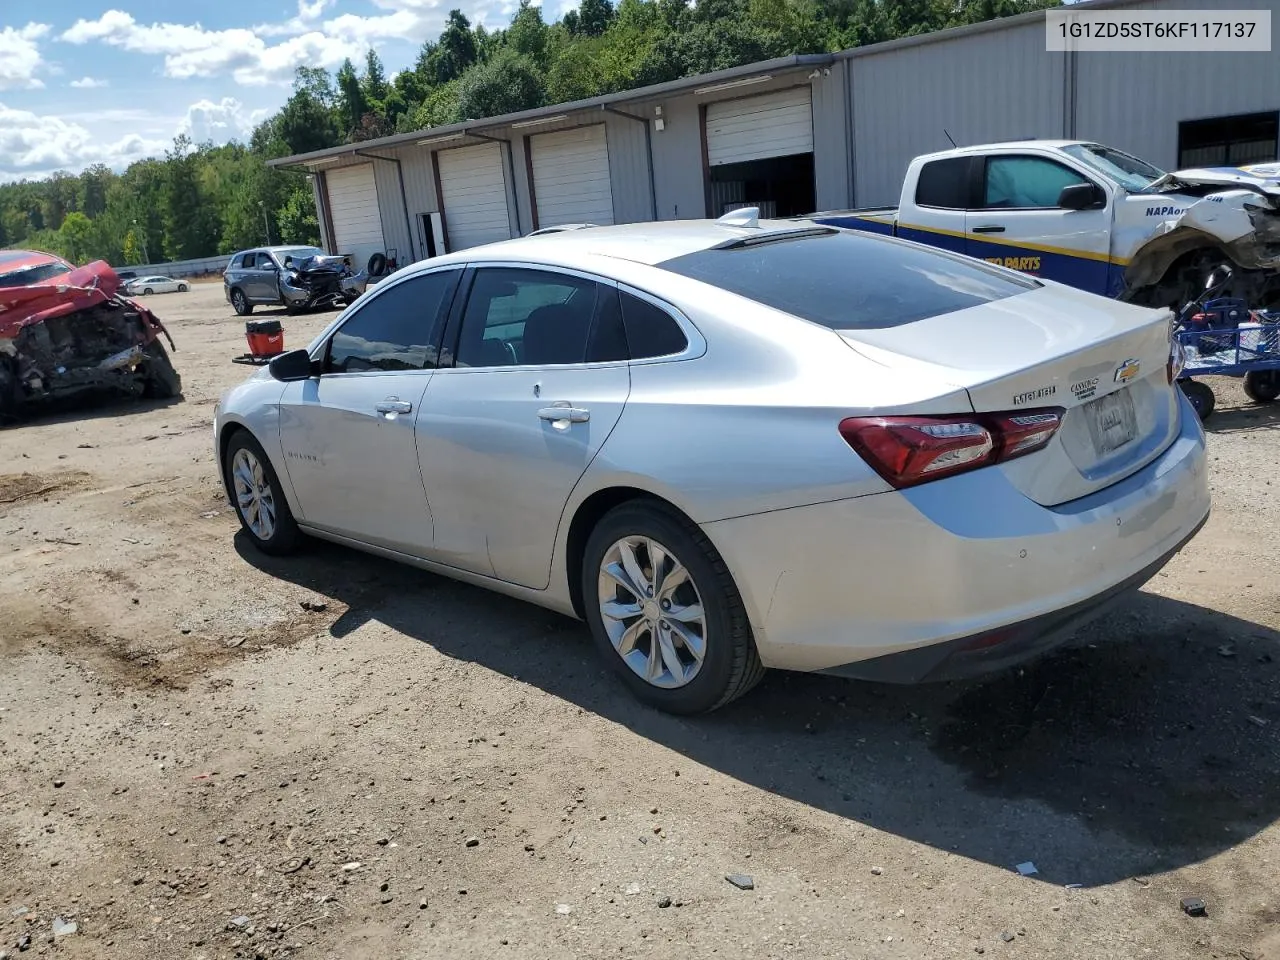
[[178, 268]]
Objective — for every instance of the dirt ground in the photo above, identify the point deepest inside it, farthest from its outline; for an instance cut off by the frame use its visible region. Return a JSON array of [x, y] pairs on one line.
[[194, 765]]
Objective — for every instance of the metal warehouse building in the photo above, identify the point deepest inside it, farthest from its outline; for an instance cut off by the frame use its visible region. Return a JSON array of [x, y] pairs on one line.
[[792, 136]]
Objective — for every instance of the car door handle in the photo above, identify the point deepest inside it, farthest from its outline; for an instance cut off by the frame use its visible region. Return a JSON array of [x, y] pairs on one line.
[[989, 228], [394, 405], [564, 410]]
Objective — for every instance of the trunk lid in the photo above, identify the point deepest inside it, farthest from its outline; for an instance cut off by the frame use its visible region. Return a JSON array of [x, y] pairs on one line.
[[1100, 361]]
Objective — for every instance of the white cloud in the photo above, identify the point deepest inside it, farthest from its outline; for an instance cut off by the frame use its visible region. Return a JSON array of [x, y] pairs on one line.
[[33, 145], [88, 83], [189, 50], [219, 122], [20, 56]]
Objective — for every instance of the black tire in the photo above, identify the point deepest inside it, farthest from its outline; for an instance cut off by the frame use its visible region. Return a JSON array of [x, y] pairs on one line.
[[160, 380], [730, 666], [240, 303], [183, 288], [285, 536], [377, 264], [1262, 386], [1201, 397], [10, 392], [147, 291]]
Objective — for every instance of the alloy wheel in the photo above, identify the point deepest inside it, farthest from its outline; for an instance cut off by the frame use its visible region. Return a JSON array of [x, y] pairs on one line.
[[652, 612], [254, 496]]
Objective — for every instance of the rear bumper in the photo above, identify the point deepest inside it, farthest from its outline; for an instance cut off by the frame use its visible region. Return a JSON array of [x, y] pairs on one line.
[[962, 574]]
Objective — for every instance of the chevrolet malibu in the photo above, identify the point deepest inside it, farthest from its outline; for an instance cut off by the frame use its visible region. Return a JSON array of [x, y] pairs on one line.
[[736, 445]]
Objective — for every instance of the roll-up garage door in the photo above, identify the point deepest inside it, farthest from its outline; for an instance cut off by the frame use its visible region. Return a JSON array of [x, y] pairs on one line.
[[353, 204], [752, 128], [571, 176], [474, 186]]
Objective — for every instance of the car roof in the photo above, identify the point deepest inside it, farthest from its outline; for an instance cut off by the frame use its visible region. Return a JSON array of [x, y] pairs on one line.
[[645, 243], [18, 259]]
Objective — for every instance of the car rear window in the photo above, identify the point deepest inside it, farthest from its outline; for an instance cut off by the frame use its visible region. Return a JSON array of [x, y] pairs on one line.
[[848, 280]]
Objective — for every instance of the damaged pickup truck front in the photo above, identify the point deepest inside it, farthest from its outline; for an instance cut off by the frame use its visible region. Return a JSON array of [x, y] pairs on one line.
[[66, 330], [1093, 217]]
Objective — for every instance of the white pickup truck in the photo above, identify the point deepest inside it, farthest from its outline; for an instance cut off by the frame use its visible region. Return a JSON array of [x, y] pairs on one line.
[[1093, 217]]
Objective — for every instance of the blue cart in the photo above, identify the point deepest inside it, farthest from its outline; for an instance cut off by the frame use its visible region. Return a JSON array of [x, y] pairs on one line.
[[1226, 340]]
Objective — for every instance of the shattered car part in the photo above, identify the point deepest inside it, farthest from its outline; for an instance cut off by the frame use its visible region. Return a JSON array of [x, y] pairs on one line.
[[320, 281], [1210, 216], [65, 330]]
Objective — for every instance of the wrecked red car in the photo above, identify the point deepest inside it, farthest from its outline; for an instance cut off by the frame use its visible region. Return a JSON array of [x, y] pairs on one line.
[[66, 330]]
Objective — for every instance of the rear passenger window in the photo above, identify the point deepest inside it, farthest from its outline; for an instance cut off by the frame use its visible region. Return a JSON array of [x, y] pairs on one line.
[[651, 331], [944, 183], [397, 329]]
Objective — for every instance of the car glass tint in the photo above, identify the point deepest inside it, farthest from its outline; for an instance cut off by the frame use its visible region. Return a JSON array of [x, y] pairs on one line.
[[396, 329], [608, 339], [533, 317], [1028, 182], [944, 183], [29, 275], [651, 331], [850, 281]]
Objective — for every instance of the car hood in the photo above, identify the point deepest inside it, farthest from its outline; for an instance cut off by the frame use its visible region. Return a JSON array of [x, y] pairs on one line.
[[1226, 177], [80, 289], [327, 264]]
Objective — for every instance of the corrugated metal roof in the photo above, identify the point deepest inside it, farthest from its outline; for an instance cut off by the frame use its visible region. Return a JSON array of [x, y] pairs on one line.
[[638, 95]]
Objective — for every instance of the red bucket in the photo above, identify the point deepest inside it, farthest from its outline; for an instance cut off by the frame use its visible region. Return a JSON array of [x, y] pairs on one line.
[[266, 337]]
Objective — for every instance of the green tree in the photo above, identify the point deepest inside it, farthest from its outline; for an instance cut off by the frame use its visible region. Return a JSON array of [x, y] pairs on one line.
[[297, 218], [374, 81], [506, 83], [189, 229], [308, 120], [456, 50], [352, 104], [594, 17], [527, 34], [74, 236]]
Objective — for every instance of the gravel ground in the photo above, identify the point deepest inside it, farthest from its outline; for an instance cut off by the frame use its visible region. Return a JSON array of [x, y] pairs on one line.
[[194, 765]]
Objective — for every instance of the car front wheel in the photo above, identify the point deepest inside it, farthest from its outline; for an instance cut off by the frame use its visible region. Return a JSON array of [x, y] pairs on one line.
[[664, 610], [259, 501]]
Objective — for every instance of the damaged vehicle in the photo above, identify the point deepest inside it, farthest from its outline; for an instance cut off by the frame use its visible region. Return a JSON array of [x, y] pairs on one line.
[[66, 330], [297, 278], [1093, 217]]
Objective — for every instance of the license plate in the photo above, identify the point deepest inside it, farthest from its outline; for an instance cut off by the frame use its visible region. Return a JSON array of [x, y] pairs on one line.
[[1113, 421]]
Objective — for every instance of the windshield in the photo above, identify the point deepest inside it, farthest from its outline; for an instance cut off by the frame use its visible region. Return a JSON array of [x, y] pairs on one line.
[[1131, 173], [300, 253], [30, 275]]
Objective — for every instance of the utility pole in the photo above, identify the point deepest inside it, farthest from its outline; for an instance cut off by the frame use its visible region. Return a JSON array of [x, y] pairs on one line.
[[142, 239], [266, 225]]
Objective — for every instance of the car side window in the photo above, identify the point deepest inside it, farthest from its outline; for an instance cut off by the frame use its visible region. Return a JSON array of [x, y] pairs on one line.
[[265, 262], [396, 328], [651, 331], [246, 261], [517, 316], [944, 183], [1026, 182]]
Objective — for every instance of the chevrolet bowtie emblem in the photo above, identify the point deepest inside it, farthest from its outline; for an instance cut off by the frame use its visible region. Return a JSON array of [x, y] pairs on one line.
[[1127, 371]]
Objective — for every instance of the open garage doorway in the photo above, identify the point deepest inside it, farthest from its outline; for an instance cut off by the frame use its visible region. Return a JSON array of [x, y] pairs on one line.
[[759, 153]]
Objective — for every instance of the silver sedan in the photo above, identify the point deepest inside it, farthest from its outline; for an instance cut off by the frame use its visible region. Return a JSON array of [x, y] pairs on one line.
[[735, 445], [145, 286]]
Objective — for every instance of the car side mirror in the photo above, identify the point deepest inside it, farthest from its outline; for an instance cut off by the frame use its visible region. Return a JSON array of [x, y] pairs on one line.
[[1082, 196], [293, 365]]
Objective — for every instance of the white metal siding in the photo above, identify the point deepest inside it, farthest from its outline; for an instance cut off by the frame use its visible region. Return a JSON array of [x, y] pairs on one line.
[[353, 203], [571, 176], [769, 125], [474, 186]]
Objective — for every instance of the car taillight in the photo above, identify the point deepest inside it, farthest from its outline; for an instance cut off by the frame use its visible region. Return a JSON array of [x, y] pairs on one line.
[[906, 451]]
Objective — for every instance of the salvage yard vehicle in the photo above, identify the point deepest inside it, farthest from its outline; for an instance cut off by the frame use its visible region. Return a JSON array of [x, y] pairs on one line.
[[737, 444], [298, 278], [146, 286], [1093, 217], [66, 330]]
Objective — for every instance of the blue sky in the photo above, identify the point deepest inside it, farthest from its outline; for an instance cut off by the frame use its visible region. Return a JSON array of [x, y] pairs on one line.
[[111, 81]]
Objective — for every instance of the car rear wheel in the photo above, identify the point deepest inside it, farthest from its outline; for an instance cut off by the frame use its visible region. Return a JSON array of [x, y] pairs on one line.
[[259, 501], [664, 610], [240, 303]]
